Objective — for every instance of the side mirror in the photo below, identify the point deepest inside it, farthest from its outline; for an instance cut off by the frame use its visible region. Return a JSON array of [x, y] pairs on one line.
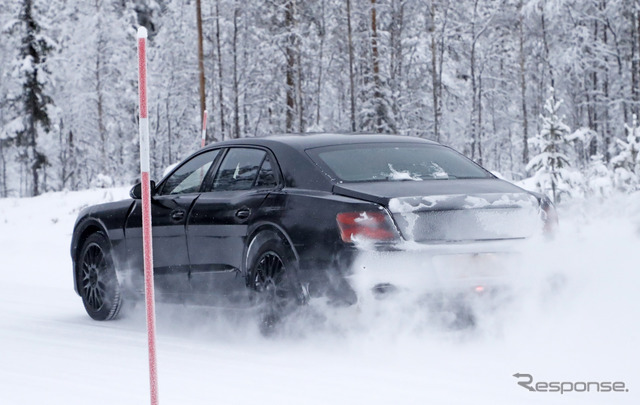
[[136, 191]]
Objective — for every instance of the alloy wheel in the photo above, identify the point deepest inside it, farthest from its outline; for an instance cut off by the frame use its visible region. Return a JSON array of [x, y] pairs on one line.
[[94, 267]]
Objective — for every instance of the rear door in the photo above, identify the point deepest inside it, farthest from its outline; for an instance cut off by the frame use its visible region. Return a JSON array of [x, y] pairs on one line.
[[218, 224]]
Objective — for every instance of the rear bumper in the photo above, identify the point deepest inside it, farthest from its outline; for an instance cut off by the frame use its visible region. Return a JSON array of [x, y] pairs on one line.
[[437, 268]]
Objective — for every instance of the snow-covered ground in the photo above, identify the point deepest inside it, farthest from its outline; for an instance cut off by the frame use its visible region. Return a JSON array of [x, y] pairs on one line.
[[584, 329]]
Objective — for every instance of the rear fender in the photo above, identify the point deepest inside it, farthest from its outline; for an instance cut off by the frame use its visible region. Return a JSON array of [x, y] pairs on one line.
[[261, 233]]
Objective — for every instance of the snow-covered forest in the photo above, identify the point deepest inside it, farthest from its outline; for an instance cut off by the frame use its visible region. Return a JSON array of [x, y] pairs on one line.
[[541, 89]]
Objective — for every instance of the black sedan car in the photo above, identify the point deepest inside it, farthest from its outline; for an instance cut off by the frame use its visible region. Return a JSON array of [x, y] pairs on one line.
[[284, 218]]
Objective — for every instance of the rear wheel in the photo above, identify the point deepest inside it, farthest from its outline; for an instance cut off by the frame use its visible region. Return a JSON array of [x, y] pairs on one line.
[[98, 283], [272, 275]]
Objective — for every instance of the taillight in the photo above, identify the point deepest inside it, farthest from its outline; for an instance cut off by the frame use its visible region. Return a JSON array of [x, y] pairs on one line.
[[372, 225]]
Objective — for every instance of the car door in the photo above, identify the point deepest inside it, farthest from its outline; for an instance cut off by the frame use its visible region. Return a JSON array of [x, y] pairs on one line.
[[170, 207], [218, 224]]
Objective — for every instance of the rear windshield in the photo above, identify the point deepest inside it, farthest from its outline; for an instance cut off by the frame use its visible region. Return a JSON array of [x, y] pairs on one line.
[[395, 162]]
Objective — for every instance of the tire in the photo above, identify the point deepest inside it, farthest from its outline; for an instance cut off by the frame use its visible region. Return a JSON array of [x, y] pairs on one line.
[[272, 275], [98, 283]]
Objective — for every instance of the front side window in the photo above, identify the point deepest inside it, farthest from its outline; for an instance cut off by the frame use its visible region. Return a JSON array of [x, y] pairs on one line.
[[239, 169], [189, 177], [395, 162]]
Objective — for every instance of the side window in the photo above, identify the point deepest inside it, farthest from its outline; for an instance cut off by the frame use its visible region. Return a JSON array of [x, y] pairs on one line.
[[189, 177], [266, 177], [238, 170]]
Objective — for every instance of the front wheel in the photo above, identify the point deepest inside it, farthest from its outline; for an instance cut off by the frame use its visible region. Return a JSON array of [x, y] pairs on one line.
[[99, 287]]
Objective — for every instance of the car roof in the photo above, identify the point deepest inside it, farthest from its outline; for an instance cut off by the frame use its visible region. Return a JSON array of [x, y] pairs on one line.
[[297, 168], [315, 140]]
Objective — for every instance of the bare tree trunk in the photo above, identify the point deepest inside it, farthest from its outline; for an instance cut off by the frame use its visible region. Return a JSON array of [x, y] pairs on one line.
[[523, 89], [351, 76], [635, 63], [245, 60], [98, 86], [236, 97], [605, 89], [480, 119], [376, 66], [220, 87], [35, 158], [3, 160], [72, 158], [594, 124], [299, 95], [547, 61], [497, 156], [3, 167], [100, 104], [159, 164], [23, 179], [169, 140], [434, 72], [35, 186], [627, 104], [396, 57], [291, 65], [200, 60], [510, 145], [441, 59], [474, 85], [62, 155], [321, 34]]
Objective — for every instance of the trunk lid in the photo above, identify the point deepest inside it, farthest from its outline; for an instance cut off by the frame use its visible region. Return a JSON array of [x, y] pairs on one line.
[[435, 211]]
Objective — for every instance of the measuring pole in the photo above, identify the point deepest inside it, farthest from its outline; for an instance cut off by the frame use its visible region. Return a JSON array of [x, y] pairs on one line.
[[146, 213], [204, 128]]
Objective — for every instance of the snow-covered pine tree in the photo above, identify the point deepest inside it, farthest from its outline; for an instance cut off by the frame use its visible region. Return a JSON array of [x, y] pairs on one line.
[[549, 165], [627, 162], [33, 72]]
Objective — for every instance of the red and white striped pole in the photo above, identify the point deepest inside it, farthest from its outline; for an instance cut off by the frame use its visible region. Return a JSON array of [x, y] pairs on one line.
[[204, 128], [146, 214]]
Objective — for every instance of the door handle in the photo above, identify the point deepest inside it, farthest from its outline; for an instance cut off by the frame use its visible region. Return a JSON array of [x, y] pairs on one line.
[[177, 215], [243, 213]]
